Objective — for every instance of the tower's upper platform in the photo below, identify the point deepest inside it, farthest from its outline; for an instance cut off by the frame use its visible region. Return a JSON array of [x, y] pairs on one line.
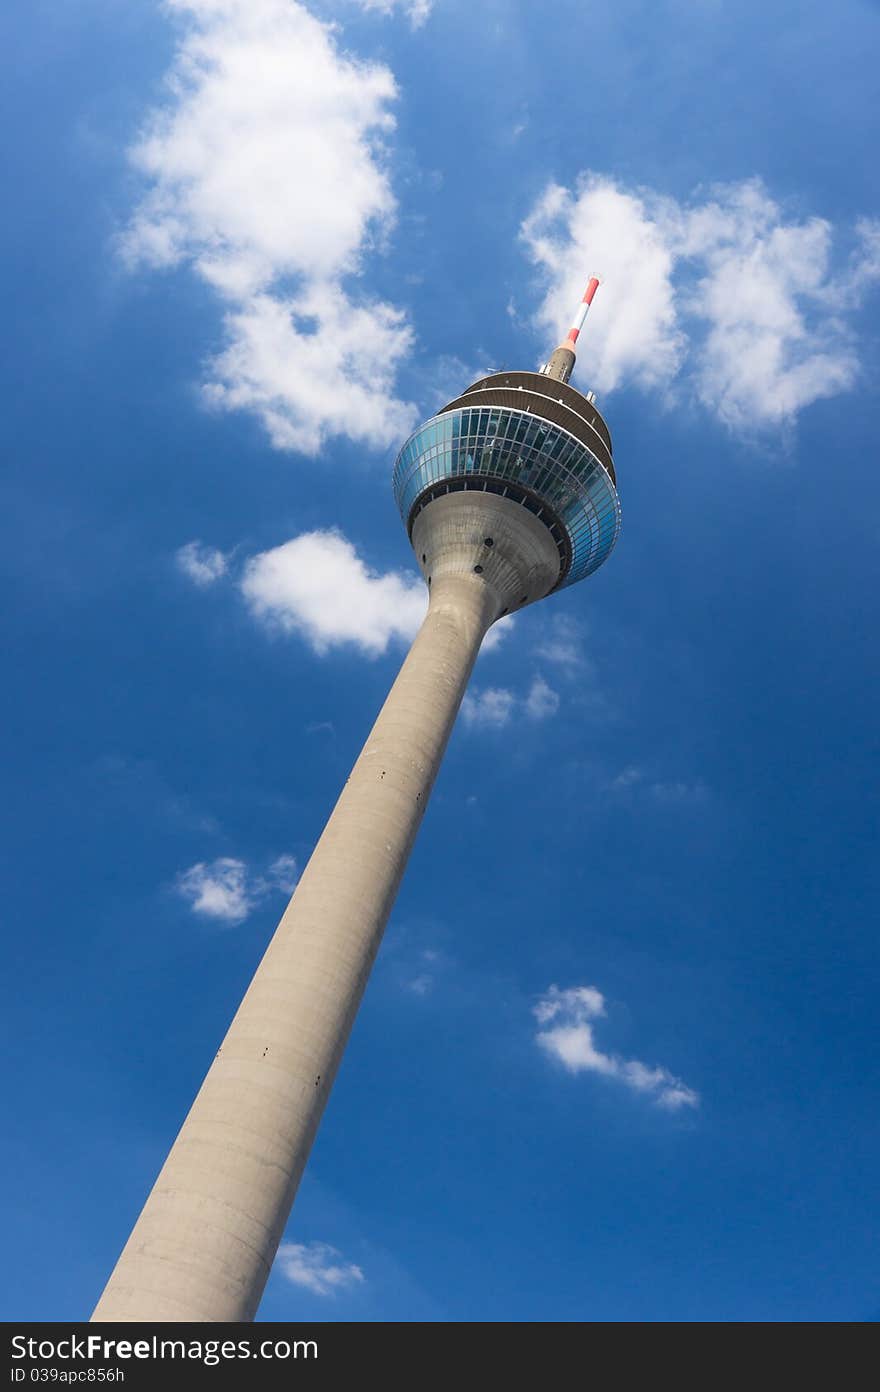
[[554, 400], [528, 437]]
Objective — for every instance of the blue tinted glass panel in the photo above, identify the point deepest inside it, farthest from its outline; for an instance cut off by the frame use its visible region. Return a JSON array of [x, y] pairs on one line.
[[509, 444]]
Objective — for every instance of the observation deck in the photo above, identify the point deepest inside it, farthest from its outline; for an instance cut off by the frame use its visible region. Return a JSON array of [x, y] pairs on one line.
[[532, 439]]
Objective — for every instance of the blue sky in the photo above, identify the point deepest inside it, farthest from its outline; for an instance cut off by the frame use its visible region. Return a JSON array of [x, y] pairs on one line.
[[228, 297]]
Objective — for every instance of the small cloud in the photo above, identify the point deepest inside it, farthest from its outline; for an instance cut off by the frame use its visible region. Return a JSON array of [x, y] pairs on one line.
[[493, 707], [567, 1018], [863, 270], [416, 972], [420, 985], [321, 727], [202, 564], [669, 791], [542, 701], [561, 643], [319, 587], [284, 873], [431, 962], [628, 777], [584, 999], [490, 708], [228, 891], [416, 11], [501, 629], [317, 1267], [219, 890]]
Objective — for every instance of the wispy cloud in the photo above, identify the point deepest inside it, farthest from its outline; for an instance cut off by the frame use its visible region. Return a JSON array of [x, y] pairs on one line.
[[266, 171], [489, 708], [725, 294], [429, 961], [494, 707], [284, 873], [634, 778], [561, 642], [417, 11], [628, 777], [541, 700], [419, 985], [317, 1267], [500, 630], [863, 270], [202, 564], [228, 890], [566, 1021]]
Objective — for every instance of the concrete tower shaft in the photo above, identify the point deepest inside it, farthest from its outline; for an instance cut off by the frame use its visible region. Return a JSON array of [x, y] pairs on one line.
[[205, 1241], [507, 494]]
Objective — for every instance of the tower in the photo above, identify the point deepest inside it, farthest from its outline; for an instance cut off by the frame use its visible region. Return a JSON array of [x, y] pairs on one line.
[[508, 493]]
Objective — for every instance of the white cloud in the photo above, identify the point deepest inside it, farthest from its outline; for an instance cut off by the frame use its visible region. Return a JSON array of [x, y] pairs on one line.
[[671, 791], [542, 701], [501, 629], [219, 890], [632, 332], [430, 962], [771, 347], [267, 176], [628, 777], [284, 873], [203, 564], [863, 270], [318, 586], [566, 1020], [561, 643], [417, 11], [420, 985], [308, 386], [724, 295], [317, 1267], [229, 891], [493, 707], [490, 708]]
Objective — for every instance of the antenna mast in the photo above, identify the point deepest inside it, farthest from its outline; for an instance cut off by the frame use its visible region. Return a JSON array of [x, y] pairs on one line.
[[562, 359]]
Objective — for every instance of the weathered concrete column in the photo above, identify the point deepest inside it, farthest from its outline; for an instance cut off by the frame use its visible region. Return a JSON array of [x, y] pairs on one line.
[[206, 1238]]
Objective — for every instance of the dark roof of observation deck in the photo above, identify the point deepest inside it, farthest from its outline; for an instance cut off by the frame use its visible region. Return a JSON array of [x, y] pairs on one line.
[[546, 397]]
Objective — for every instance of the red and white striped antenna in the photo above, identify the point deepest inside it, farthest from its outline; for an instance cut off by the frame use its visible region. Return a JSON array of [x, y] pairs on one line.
[[561, 360], [583, 311]]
